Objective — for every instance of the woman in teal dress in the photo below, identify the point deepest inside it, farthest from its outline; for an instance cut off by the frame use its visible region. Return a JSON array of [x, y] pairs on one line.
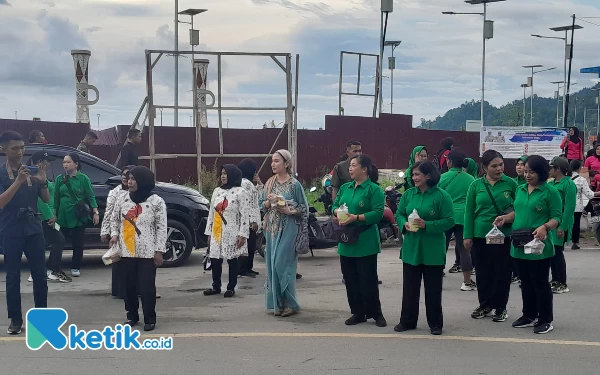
[[282, 223]]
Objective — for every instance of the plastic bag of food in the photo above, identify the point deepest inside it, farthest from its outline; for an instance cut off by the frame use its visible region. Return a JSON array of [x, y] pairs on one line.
[[113, 255], [495, 237], [411, 220], [342, 213], [535, 247]]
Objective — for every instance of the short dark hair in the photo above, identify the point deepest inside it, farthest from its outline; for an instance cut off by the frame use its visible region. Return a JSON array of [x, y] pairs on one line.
[[457, 157], [540, 166], [562, 164], [353, 143], [366, 162], [447, 143], [490, 155], [91, 134], [76, 159], [576, 165], [427, 168], [33, 135], [9, 136], [133, 132]]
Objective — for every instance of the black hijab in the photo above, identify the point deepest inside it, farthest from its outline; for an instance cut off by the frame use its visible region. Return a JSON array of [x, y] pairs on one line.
[[575, 137], [248, 168], [127, 168], [234, 176], [145, 184]]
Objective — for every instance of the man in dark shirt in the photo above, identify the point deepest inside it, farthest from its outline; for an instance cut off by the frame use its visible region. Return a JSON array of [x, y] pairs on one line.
[[341, 171], [129, 155], [88, 142], [20, 226]]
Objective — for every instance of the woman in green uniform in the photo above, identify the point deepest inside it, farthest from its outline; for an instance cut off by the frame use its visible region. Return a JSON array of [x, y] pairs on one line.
[[456, 182], [488, 197], [71, 188], [520, 179], [365, 201], [568, 194], [418, 154], [472, 168], [538, 207], [424, 248]]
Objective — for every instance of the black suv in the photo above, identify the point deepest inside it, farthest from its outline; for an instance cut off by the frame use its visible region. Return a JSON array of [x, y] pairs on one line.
[[187, 210]]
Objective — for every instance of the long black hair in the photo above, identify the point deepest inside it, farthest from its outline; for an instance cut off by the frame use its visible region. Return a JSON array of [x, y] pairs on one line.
[[366, 162]]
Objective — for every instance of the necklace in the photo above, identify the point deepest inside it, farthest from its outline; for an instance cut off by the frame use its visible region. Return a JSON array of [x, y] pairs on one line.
[[11, 175]]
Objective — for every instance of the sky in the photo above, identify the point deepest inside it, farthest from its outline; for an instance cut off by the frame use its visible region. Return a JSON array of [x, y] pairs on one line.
[[438, 65]]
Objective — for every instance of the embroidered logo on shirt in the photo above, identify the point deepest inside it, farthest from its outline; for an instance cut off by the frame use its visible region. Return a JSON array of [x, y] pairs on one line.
[[432, 212], [538, 208], [361, 204], [506, 194]]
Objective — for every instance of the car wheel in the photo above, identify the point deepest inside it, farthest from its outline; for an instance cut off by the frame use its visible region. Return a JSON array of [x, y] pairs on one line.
[[179, 244], [261, 243]]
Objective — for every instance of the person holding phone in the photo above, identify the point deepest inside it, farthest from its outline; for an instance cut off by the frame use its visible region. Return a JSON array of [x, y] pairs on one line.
[[75, 206], [20, 227]]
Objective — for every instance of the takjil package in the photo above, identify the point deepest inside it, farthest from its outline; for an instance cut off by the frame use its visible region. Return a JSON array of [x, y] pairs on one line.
[[535, 247], [495, 237]]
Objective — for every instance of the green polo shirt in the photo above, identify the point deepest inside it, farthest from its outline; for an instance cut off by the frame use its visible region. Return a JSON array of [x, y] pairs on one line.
[[426, 246], [520, 180], [480, 212], [64, 202], [47, 209], [568, 194], [456, 182], [534, 210], [365, 199]]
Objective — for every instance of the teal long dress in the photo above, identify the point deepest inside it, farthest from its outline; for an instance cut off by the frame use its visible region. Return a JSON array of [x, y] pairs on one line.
[[280, 254]]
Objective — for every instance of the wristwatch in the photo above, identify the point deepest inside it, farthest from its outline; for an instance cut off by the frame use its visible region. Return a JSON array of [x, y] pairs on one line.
[[547, 226]]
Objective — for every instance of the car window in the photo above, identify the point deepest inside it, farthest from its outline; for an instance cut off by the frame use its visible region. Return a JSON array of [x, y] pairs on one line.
[[97, 176]]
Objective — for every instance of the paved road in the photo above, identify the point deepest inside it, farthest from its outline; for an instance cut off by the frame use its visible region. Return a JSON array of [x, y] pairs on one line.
[[213, 335]]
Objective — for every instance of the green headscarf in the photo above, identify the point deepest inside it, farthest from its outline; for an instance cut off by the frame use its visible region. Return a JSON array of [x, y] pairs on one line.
[[520, 180], [472, 168], [411, 162]]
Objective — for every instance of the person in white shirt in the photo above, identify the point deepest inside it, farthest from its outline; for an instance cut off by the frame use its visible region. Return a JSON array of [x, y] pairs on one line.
[[584, 194], [248, 168]]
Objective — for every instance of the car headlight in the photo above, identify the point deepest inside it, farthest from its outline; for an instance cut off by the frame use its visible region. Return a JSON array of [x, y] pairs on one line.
[[198, 199]]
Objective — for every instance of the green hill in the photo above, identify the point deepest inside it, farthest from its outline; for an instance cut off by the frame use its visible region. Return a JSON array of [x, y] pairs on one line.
[[544, 114]]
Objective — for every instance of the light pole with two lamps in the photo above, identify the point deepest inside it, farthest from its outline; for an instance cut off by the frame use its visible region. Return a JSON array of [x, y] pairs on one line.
[[530, 83]]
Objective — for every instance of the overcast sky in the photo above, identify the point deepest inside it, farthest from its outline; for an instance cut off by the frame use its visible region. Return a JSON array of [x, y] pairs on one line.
[[438, 64]]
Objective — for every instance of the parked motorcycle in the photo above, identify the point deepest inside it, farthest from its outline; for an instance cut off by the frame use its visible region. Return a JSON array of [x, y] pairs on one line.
[[388, 229]]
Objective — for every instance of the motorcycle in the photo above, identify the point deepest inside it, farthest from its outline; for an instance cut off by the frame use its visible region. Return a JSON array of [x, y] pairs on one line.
[[388, 229], [320, 232]]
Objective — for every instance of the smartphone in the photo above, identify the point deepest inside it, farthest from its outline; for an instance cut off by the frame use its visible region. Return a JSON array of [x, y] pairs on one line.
[[33, 170]]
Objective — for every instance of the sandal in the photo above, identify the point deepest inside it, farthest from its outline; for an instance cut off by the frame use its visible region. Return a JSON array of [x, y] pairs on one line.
[[278, 313], [288, 312]]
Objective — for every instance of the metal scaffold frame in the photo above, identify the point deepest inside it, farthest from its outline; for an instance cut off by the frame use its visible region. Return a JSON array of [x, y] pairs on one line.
[[291, 108], [357, 93]]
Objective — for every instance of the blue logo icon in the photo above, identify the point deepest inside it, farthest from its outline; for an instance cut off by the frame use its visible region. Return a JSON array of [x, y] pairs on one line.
[[43, 326]]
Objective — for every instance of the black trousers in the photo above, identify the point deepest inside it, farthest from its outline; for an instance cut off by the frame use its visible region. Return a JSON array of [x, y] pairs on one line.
[[247, 263], [140, 280], [535, 289], [76, 236], [217, 271], [458, 231], [362, 287], [118, 280], [34, 248], [577, 227], [411, 293], [559, 265], [56, 240], [494, 271]]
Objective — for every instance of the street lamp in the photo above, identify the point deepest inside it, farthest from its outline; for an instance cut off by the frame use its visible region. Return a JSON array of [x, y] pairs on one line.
[[387, 7], [98, 121], [530, 83], [557, 97], [598, 102], [392, 66], [524, 86], [488, 33]]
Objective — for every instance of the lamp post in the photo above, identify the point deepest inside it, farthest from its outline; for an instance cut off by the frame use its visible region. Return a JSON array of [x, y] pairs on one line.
[[530, 83], [488, 33], [392, 66], [557, 97], [176, 119], [598, 102], [160, 109], [524, 86], [387, 7], [98, 121]]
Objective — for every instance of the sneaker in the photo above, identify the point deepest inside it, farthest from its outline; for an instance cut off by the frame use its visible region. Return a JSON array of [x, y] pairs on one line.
[[560, 289], [14, 328], [481, 312], [500, 315], [473, 272], [575, 246], [554, 284], [467, 287], [523, 322], [50, 276], [30, 279], [541, 328], [75, 272], [455, 269], [515, 280], [62, 277]]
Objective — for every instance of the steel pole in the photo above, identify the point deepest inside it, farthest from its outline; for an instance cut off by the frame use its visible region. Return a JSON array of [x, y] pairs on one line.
[[380, 88], [598, 128], [531, 121], [557, 105], [575, 119], [196, 122], [566, 84], [524, 106], [392, 90], [176, 119], [483, 64]]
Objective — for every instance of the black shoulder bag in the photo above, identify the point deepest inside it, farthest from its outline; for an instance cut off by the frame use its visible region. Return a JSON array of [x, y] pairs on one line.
[[83, 210], [500, 213], [350, 234]]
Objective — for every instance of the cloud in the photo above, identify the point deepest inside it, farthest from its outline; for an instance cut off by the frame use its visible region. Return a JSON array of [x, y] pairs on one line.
[[4, 2], [92, 29]]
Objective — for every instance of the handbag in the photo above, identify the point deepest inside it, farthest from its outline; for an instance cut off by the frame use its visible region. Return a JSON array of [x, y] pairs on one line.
[[82, 208], [521, 237], [351, 234], [500, 213]]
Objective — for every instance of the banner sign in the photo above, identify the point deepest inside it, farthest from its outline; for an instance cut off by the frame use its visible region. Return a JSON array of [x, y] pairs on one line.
[[514, 142]]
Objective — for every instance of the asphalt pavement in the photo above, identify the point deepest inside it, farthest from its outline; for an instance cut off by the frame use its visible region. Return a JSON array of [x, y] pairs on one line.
[[214, 335]]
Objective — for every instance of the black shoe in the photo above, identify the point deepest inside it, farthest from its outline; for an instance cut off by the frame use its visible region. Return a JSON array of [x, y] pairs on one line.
[[541, 328], [523, 322], [575, 247], [355, 319], [379, 282], [402, 328], [131, 323], [15, 327], [254, 272], [455, 269], [481, 312], [500, 315], [298, 276], [149, 327], [229, 294], [212, 292], [248, 274], [436, 331], [380, 321]]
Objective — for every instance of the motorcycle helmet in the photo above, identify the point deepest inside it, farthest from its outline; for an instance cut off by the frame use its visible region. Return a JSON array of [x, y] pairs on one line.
[[326, 182]]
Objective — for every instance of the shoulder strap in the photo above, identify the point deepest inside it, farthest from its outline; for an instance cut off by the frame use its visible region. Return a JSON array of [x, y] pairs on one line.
[[576, 177], [450, 182], [68, 184], [269, 185], [491, 196]]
